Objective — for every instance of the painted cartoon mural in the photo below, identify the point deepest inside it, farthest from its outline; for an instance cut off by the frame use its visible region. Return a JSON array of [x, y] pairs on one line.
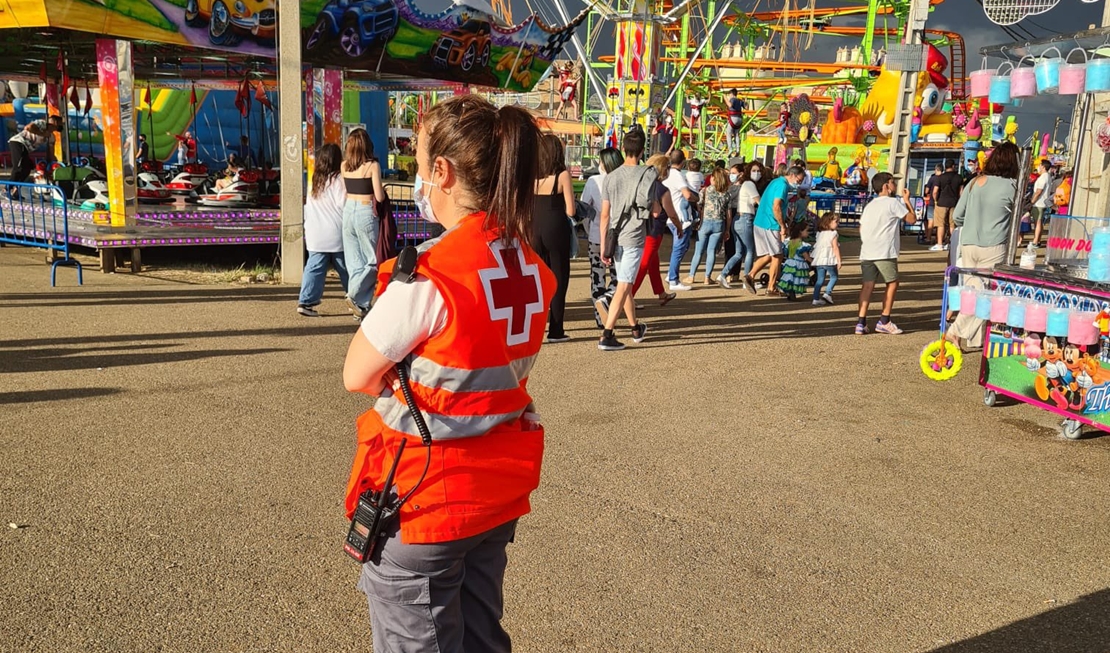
[[391, 37]]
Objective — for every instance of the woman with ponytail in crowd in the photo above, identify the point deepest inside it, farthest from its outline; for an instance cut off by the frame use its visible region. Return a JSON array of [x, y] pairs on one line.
[[466, 322]]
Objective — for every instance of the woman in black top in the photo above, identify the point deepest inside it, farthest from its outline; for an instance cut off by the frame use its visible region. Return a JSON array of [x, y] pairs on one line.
[[551, 226]]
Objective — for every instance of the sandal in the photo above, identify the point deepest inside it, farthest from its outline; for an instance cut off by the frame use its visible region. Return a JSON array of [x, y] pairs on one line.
[[666, 298]]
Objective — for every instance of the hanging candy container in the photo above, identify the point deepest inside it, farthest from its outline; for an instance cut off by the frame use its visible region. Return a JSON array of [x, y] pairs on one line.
[[1102, 136]]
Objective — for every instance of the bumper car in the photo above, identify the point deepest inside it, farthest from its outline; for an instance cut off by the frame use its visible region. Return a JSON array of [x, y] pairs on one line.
[[151, 190], [240, 193], [190, 178], [92, 195]]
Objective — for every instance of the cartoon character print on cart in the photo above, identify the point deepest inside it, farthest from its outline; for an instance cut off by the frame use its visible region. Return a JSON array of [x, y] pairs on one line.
[[1049, 370]]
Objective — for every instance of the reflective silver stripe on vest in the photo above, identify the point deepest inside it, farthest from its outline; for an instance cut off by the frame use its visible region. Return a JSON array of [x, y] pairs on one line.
[[396, 416], [430, 374]]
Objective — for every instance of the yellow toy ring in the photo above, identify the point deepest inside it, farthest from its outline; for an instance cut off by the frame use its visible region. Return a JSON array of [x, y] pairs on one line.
[[937, 368]]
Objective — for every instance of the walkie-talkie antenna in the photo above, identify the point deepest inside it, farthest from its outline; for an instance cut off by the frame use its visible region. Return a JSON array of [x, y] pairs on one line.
[[392, 471]]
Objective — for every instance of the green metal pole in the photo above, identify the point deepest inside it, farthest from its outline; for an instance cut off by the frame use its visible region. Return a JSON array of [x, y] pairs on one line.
[[869, 32], [683, 53]]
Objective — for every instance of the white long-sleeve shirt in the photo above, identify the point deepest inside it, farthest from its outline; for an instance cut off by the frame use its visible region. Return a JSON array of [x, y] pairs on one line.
[[591, 195]]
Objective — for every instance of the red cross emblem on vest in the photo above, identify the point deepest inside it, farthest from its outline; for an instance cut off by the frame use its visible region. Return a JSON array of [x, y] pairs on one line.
[[513, 291]]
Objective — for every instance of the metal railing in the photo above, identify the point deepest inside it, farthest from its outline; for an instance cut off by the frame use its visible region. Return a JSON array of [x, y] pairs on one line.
[[411, 228], [34, 215]]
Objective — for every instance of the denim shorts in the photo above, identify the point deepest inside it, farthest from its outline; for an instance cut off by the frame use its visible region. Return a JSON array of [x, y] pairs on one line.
[[628, 263]]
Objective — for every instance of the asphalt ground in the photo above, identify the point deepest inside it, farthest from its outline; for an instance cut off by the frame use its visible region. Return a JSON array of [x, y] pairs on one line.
[[751, 478]]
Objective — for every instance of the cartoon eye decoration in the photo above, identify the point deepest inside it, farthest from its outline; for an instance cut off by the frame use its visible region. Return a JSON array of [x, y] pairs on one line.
[[931, 99]]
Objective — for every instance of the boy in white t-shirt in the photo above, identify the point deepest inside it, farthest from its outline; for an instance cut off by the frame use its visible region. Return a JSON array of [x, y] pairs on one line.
[[880, 234]]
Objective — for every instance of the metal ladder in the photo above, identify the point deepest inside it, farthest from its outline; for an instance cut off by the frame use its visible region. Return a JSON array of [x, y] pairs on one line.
[[903, 108]]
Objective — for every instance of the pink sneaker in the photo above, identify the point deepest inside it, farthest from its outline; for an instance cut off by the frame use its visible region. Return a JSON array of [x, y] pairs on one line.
[[890, 328]]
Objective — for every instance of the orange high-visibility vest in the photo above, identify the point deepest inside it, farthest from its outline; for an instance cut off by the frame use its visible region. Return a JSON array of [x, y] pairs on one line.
[[470, 384]]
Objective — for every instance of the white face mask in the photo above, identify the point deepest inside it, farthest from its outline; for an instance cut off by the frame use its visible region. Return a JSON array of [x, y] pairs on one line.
[[755, 175], [422, 203], [732, 177]]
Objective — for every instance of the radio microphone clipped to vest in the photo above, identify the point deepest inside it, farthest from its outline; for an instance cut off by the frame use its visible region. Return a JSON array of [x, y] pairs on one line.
[[377, 509]]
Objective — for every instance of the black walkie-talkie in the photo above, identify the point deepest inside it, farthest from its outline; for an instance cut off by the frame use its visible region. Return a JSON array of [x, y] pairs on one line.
[[375, 508]]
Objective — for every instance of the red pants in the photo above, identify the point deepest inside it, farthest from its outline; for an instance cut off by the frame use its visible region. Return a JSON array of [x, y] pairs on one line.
[[650, 264]]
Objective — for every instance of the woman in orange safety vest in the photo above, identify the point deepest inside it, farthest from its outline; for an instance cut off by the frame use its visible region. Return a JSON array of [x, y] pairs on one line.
[[467, 327]]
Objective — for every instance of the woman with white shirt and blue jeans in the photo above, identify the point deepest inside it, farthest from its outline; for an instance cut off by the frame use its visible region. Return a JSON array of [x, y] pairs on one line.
[[743, 230], [323, 229]]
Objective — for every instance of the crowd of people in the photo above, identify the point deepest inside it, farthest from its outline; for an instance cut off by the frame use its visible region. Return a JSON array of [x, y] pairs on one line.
[[753, 223]]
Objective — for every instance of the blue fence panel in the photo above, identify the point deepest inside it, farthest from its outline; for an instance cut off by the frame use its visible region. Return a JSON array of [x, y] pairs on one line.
[[411, 228], [33, 215]]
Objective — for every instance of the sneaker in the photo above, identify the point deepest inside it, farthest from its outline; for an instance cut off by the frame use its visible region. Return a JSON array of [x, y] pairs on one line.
[[666, 299], [946, 247], [562, 338], [609, 343], [827, 298], [358, 311], [890, 328], [638, 332], [723, 281], [748, 285], [818, 302], [757, 286], [307, 311], [679, 286], [861, 329], [937, 248]]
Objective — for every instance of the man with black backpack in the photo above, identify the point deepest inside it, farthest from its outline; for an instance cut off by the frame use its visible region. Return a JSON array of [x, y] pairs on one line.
[[627, 193]]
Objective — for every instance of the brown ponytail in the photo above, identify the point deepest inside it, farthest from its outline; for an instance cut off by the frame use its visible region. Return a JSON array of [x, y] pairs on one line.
[[494, 154]]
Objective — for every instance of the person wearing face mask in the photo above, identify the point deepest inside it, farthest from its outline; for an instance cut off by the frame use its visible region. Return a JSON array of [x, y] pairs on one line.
[[747, 201], [770, 227], [466, 322]]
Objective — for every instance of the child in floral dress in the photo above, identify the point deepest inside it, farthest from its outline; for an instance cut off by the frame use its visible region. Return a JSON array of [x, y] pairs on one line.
[[794, 280]]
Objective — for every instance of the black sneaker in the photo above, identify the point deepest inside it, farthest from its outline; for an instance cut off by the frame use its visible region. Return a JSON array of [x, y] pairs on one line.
[[562, 338], [638, 332], [610, 343], [307, 311]]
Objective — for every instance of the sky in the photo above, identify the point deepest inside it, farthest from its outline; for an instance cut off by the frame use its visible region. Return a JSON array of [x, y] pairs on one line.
[[963, 16]]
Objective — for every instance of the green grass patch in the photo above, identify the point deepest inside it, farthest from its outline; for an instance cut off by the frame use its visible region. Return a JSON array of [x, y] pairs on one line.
[[139, 10], [310, 9], [1009, 372], [410, 41], [179, 3]]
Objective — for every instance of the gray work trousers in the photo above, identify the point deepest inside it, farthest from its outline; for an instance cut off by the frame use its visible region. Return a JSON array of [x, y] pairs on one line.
[[439, 598]]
